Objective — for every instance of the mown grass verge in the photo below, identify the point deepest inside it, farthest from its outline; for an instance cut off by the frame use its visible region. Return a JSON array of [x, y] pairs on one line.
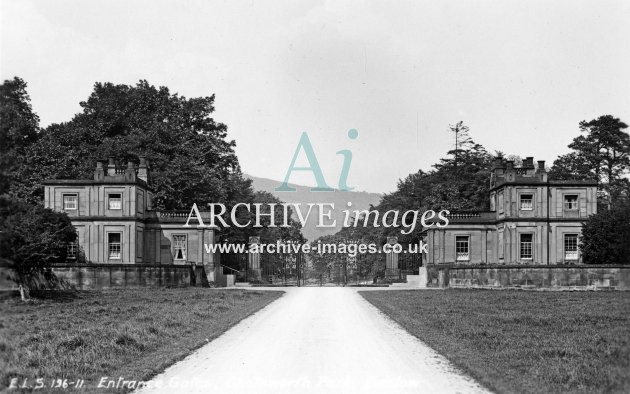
[[522, 342], [133, 333]]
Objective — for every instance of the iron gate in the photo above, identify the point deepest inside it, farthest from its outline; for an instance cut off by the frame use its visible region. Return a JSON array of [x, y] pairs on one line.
[[340, 269], [235, 263], [280, 269], [298, 269], [409, 261]]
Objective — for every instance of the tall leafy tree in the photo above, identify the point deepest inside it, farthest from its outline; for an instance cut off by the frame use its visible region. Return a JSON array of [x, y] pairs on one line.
[[460, 181], [465, 186], [18, 129], [462, 140], [602, 153], [191, 158], [32, 238], [571, 166]]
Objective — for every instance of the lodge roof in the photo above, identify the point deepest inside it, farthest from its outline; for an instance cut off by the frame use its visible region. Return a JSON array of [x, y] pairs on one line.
[[106, 180], [505, 173], [111, 173]]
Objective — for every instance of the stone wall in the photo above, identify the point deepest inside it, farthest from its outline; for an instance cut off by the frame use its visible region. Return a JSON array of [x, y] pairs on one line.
[[105, 276], [530, 276]]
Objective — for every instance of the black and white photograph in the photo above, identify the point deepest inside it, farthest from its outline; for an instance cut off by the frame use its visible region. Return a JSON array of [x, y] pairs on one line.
[[314, 196]]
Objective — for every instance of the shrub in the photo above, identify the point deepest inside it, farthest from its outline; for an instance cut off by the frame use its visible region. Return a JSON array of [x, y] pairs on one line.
[[606, 237], [33, 238]]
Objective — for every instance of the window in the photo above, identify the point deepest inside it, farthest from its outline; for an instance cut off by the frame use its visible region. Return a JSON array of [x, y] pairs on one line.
[[570, 246], [501, 201], [140, 202], [526, 248], [114, 201], [461, 248], [114, 245], [527, 202], [72, 249], [180, 247], [70, 202], [571, 202]]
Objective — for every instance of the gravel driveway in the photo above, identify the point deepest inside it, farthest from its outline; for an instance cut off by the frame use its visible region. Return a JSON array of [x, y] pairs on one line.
[[317, 340]]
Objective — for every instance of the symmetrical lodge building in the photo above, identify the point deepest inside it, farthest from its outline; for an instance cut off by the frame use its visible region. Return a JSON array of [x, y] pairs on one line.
[[532, 220], [116, 223]]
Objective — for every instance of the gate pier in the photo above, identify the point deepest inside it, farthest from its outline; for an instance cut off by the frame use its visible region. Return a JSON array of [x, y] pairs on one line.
[[253, 260], [391, 260]]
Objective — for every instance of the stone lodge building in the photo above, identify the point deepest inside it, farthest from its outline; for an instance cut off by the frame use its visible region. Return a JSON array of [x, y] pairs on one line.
[[116, 223], [532, 220]]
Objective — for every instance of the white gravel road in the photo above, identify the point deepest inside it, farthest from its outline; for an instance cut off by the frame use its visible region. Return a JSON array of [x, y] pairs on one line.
[[319, 340]]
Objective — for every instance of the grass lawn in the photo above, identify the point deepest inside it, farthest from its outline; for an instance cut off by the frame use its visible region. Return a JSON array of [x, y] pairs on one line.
[[134, 333], [522, 342]]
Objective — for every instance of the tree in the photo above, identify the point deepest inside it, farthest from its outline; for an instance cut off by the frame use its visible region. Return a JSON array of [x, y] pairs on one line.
[[606, 237], [267, 234], [18, 129], [606, 147], [322, 263], [191, 159], [32, 239], [571, 166], [601, 153], [462, 140], [460, 181]]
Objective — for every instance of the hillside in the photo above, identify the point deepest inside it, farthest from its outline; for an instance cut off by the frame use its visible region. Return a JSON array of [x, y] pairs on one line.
[[304, 195]]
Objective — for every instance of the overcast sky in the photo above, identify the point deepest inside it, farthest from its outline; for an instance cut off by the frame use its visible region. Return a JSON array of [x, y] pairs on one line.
[[521, 74]]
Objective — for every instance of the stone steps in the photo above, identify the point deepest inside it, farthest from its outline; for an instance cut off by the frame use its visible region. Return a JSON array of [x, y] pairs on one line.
[[413, 281]]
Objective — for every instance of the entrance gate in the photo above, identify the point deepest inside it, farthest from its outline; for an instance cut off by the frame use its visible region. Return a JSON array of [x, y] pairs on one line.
[[337, 269], [280, 269], [272, 269], [234, 263], [408, 263]]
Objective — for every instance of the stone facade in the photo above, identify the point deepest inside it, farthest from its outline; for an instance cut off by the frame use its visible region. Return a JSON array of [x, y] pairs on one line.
[[116, 223], [532, 220], [561, 277]]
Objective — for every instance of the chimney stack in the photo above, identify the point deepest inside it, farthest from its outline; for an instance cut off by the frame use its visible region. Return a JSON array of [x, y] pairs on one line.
[[99, 173], [130, 172], [143, 169], [111, 167], [528, 162], [541, 166], [497, 162]]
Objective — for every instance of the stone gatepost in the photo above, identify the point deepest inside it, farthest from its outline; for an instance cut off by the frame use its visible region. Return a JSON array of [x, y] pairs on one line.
[[204, 259], [423, 273], [423, 276], [391, 260], [253, 260]]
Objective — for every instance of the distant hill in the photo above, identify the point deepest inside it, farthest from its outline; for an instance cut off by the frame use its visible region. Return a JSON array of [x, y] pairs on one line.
[[304, 195]]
